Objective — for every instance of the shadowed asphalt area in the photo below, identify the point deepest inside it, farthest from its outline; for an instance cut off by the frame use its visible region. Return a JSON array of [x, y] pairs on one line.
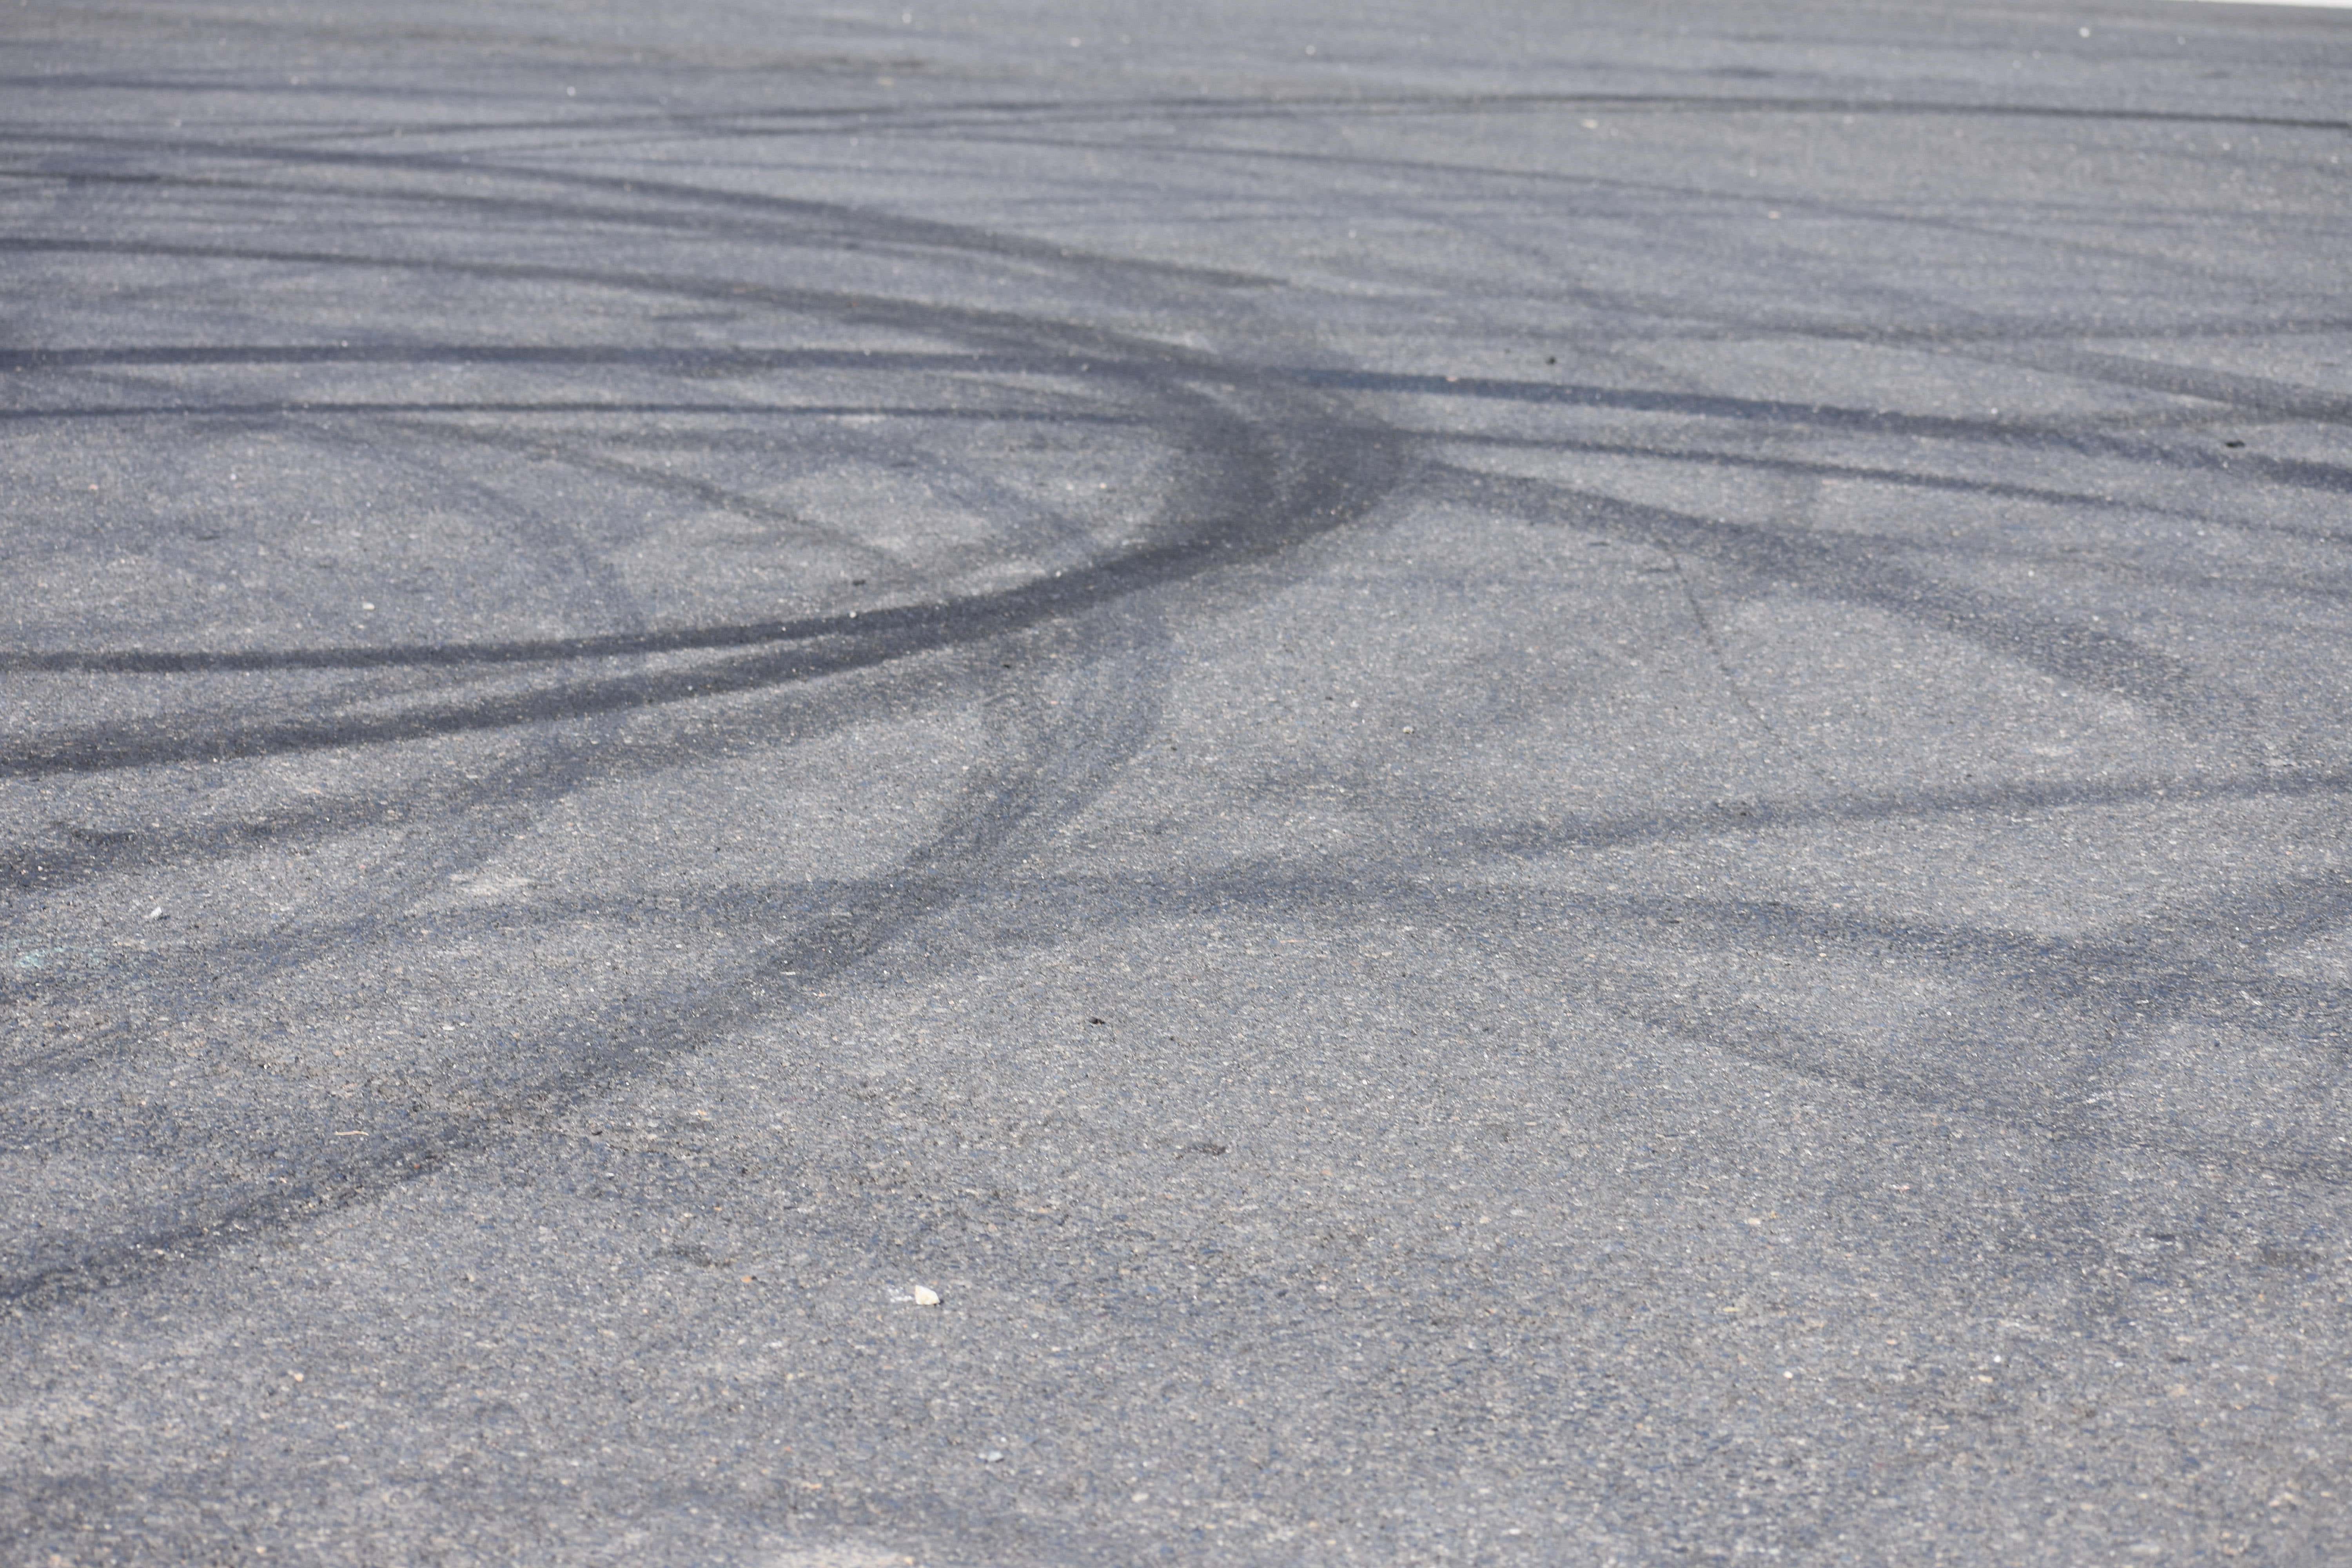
[[1079, 783]]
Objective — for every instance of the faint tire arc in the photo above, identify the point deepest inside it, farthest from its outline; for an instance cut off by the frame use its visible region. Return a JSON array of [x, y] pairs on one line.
[[1287, 463]]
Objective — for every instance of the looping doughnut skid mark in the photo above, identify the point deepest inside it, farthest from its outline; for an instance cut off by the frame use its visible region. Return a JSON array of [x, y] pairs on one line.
[[1248, 466]]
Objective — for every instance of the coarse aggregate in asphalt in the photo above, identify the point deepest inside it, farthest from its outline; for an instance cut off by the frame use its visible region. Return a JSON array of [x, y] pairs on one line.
[[1080, 783]]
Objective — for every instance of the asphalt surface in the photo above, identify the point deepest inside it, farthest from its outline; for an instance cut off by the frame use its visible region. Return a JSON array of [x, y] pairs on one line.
[[1074, 784]]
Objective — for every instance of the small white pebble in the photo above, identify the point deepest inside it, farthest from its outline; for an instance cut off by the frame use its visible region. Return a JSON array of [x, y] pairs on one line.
[[926, 1297]]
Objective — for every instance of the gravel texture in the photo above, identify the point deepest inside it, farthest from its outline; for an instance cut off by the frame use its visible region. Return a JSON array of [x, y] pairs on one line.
[[1090, 784]]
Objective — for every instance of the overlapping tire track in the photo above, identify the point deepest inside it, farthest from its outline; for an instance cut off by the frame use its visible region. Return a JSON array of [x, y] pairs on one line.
[[1287, 452], [1270, 463]]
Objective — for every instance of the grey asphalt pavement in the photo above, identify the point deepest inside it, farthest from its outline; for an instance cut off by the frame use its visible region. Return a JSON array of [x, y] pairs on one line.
[[1069, 783]]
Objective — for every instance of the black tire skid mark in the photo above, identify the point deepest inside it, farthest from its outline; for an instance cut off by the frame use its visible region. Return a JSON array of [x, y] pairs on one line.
[[1782, 558], [797, 223], [2116, 991], [875, 231], [2116, 435], [924, 234], [51, 868], [2066, 1239], [2149, 976], [883, 634], [79, 861], [619, 1040], [549, 766], [2226, 389], [220, 964], [2290, 473], [885, 114], [1734, 204], [1008, 331], [396, 408], [552, 652], [2011, 804], [2316, 784], [1328, 496], [1930, 548], [675, 359], [1734, 687], [551, 547], [572, 454], [2109, 436], [547, 408], [886, 905], [1911, 319], [2121, 437], [931, 119], [2112, 658], [2041, 346], [2283, 472], [717, 213], [1767, 463], [476, 41], [2073, 1139], [861, 640], [1941, 333], [1971, 336], [524, 785], [2107, 987], [2141, 977], [1528, 842], [1067, 762], [2258, 395]]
